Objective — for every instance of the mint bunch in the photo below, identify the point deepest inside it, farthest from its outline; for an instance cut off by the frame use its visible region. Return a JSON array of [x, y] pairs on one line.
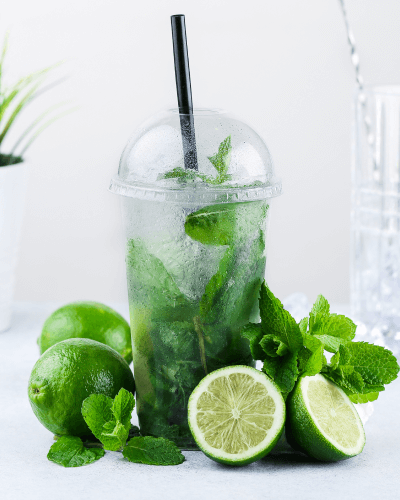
[[220, 161], [110, 422], [289, 349]]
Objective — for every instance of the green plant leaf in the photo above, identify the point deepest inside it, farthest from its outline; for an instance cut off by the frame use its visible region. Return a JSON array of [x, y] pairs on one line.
[[114, 435], [334, 325], [225, 224], [273, 346], [154, 287], [253, 332], [230, 302], [278, 322], [185, 175], [222, 159], [69, 451], [363, 398], [25, 89], [311, 362], [39, 130], [22, 103], [376, 365], [97, 411], [153, 451], [35, 78], [303, 325], [331, 344], [283, 370], [122, 407]]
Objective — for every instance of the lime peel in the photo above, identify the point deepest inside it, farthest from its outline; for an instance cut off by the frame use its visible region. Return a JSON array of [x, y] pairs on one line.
[[323, 421]]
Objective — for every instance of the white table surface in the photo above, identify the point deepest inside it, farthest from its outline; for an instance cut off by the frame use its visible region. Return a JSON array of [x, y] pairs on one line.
[[25, 472]]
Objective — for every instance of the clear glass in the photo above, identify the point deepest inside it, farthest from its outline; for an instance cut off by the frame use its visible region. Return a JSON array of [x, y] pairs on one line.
[[195, 258], [375, 233]]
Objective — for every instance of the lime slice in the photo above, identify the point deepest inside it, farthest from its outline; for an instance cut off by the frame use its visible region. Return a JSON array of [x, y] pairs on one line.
[[236, 415], [322, 420]]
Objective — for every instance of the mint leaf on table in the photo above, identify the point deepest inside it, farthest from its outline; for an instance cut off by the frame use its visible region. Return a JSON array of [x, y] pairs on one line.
[[277, 321], [69, 451], [153, 451], [108, 419]]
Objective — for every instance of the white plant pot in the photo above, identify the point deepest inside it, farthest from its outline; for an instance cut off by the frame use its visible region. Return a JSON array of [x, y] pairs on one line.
[[13, 184]]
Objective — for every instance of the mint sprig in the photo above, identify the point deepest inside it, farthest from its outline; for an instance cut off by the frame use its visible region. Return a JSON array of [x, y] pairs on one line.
[[108, 419], [290, 350], [220, 161], [110, 422]]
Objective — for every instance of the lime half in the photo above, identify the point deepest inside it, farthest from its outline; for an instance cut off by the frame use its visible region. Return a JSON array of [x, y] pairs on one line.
[[322, 420], [236, 415]]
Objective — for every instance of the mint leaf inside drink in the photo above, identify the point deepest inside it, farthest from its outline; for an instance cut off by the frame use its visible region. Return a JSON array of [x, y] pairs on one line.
[[220, 161], [226, 301], [69, 451], [224, 224], [157, 291]]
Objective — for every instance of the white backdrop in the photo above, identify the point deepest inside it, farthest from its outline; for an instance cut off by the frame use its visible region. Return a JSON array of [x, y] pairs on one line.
[[283, 66]]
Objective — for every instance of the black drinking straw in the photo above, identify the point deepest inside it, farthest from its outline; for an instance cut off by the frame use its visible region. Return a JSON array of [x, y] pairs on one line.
[[184, 90]]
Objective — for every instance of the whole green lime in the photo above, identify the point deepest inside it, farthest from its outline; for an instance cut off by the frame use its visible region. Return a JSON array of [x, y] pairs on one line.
[[89, 320], [68, 373]]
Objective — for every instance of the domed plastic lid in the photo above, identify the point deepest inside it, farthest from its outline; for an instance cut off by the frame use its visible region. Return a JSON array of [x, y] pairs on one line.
[[233, 162]]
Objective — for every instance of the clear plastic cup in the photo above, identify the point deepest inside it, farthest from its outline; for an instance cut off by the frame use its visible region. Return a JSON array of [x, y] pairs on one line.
[[195, 256]]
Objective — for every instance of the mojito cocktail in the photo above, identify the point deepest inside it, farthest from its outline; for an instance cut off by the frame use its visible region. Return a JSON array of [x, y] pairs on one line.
[[195, 259]]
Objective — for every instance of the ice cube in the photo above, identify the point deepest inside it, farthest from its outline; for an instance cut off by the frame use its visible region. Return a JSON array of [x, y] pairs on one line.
[[297, 304], [156, 152], [246, 163]]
